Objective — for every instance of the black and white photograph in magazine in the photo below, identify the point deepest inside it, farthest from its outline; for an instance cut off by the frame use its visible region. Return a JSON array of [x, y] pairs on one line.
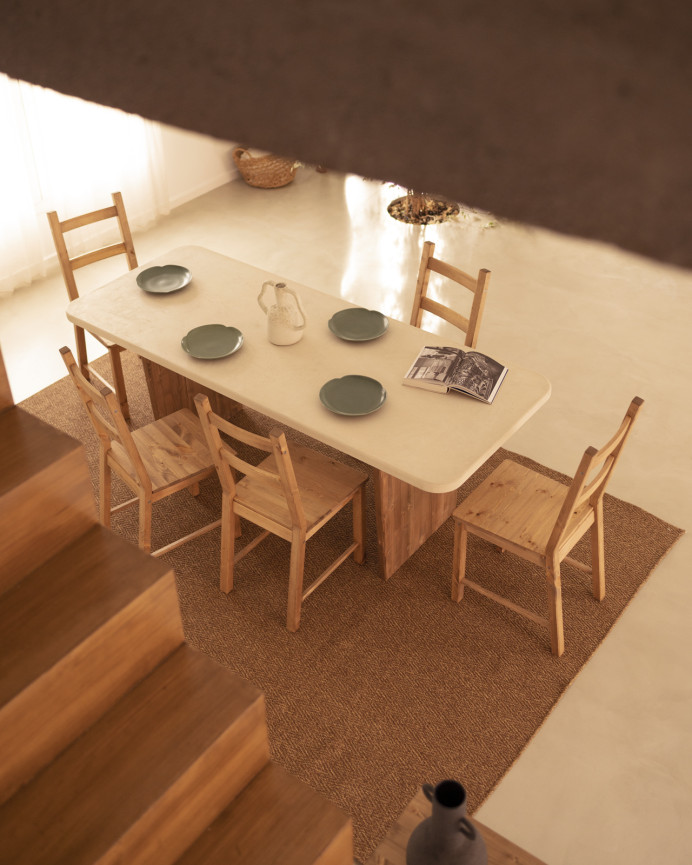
[[477, 375], [445, 368]]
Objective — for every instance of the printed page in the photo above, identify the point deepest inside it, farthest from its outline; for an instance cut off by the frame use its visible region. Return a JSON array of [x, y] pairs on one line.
[[435, 365], [477, 375]]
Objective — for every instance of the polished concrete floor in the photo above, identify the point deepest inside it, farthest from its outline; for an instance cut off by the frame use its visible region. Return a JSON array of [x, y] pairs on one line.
[[608, 777]]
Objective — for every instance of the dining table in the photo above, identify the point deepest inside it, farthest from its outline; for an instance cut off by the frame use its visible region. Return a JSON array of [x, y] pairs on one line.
[[420, 445]]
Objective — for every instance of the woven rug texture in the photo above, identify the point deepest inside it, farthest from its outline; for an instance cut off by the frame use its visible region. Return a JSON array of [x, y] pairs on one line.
[[387, 685]]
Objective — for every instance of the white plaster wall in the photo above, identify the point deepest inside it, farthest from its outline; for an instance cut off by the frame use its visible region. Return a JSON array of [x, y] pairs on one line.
[[195, 163]]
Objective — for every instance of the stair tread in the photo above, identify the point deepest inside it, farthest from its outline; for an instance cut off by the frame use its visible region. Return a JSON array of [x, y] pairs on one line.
[[276, 818], [101, 785], [46, 494], [65, 600], [29, 445]]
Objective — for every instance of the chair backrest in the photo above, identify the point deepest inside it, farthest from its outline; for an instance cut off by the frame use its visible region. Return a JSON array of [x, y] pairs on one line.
[[592, 476], [69, 265], [106, 417], [279, 484], [477, 285]]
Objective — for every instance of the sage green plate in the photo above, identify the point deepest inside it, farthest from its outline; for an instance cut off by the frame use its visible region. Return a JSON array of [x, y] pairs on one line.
[[162, 280], [352, 395], [358, 324], [210, 341]]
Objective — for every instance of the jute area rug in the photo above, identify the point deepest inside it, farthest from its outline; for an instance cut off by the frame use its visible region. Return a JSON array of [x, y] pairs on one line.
[[386, 685]]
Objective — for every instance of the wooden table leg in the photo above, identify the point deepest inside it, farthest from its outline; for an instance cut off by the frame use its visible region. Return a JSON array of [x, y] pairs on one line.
[[406, 517], [170, 391]]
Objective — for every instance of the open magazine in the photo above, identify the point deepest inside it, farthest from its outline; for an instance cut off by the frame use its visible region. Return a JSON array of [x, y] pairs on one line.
[[445, 368]]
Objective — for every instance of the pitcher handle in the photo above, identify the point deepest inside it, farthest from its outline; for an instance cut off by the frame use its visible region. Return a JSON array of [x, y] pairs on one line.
[[300, 308], [263, 306], [467, 828]]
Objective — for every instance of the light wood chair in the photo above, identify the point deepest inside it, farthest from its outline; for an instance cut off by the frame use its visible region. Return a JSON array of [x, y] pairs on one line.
[[541, 520], [291, 493], [477, 285], [69, 265], [155, 461]]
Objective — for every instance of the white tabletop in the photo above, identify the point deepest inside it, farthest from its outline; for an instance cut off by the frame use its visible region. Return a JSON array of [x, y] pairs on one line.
[[431, 440]]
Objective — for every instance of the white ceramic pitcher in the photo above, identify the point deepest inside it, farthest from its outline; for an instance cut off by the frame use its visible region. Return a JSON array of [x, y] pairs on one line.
[[285, 319]]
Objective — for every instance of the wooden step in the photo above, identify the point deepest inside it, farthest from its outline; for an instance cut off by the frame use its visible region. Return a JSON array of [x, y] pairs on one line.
[[142, 784], [75, 635], [46, 497], [276, 819]]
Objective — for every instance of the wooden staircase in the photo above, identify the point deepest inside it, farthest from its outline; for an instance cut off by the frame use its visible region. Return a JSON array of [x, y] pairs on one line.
[[119, 743]]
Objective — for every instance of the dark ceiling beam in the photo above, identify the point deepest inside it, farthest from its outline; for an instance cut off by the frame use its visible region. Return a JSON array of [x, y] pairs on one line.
[[573, 115]]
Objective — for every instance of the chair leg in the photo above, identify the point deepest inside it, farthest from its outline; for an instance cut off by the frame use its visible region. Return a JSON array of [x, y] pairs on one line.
[[229, 522], [359, 525], [295, 581], [145, 506], [104, 491], [557, 637], [80, 342], [598, 554], [459, 560], [119, 381]]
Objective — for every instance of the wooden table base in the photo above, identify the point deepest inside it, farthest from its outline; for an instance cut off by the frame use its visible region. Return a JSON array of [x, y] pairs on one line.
[[406, 517], [169, 391]]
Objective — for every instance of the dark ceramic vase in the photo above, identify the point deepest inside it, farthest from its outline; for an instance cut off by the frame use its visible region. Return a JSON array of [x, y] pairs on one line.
[[446, 837]]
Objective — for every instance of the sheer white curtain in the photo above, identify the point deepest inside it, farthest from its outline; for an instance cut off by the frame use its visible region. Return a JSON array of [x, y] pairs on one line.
[[62, 153]]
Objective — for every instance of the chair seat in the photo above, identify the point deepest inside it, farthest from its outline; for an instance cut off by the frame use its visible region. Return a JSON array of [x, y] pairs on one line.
[[172, 449], [324, 487], [541, 520], [516, 504], [292, 493]]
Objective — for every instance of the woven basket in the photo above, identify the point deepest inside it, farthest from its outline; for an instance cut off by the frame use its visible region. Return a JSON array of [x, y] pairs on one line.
[[266, 172]]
